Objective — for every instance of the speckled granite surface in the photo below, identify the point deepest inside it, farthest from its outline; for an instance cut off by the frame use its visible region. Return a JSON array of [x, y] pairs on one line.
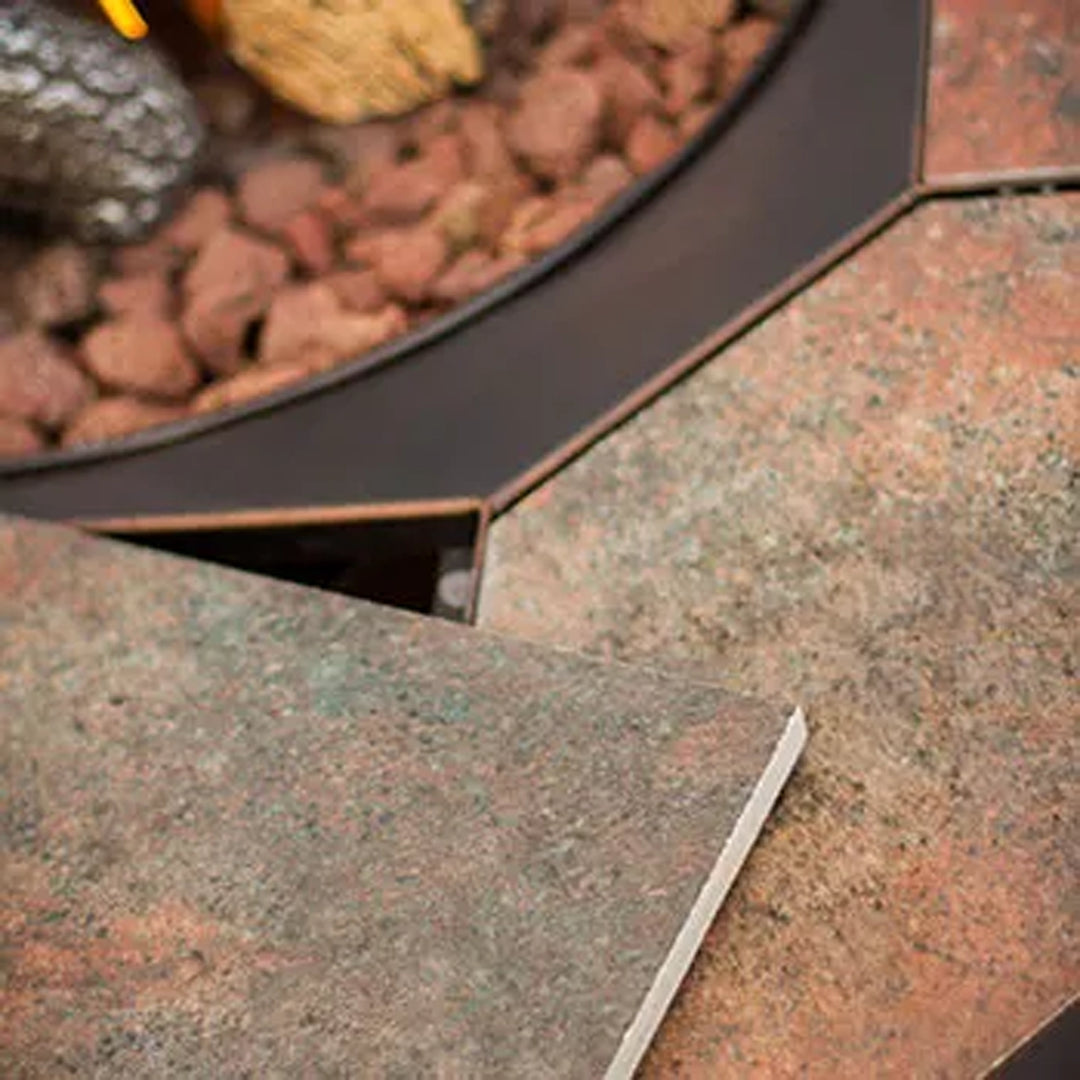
[[1004, 88], [251, 830], [872, 500]]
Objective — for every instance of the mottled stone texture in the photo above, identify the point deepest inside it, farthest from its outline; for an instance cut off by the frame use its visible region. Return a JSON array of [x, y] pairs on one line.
[[870, 502], [255, 831], [1004, 87]]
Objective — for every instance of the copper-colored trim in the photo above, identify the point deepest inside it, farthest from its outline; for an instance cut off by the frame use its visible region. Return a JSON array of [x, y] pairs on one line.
[[483, 526], [921, 123], [559, 458], [975, 183], [285, 517]]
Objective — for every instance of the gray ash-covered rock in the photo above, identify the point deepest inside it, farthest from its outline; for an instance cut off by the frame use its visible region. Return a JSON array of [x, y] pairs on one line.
[[96, 132]]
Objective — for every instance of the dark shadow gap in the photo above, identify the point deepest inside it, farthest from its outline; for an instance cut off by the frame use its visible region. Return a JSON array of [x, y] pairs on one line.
[[423, 564]]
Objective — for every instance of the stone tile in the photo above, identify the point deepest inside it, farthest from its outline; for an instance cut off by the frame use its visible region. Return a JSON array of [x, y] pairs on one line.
[[870, 499], [1004, 87], [255, 830]]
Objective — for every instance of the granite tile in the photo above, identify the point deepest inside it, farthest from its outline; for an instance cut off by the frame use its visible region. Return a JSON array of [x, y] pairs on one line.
[[252, 830], [870, 499], [1004, 87]]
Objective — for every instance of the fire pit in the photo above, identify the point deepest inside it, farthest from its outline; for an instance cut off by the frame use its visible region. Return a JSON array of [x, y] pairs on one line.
[[815, 150], [306, 246]]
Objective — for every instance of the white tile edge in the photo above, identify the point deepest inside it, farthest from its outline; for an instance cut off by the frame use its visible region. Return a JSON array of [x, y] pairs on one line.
[[658, 1000]]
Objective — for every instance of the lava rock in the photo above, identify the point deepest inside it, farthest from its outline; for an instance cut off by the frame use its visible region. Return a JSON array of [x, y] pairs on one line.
[[308, 239], [39, 380], [251, 383], [307, 327], [629, 94], [272, 193], [141, 354], [18, 438], [357, 290], [202, 215], [651, 143], [230, 285], [407, 261], [114, 417], [556, 129], [473, 273], [147, 293], [57, 286]]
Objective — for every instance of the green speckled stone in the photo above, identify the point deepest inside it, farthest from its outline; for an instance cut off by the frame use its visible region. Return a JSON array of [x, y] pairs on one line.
[[256, 830]]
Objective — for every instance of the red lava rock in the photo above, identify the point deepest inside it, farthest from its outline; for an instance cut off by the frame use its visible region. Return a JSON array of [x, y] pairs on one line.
[[428, 123], [557, 126], [542, 223], [688, 75], [156, 255], [39, 380], [141, 354], [340, 208], [694, 119], [146, 293], [587, 11], [308, 328], [487, 155], [56, 286], [18, 438], [272, 193], [251, 383], [473, 273], [201, 216], [667, 25], [360, 150], [740, 46], [230, 284], [407, 261], [114, 417], [573, 46], [629, 92], [357, 290], [475, 212], [402, 194], [650, 144], [605, 178], [307, 237]]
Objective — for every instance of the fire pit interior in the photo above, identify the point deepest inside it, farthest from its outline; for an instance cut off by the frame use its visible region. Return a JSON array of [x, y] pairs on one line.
[[302, 245]]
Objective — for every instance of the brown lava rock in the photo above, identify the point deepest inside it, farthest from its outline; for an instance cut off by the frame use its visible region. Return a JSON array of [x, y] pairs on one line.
[[310, 243]]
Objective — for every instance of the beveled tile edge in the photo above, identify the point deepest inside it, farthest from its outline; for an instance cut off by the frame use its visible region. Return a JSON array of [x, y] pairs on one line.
[[638, 1037]]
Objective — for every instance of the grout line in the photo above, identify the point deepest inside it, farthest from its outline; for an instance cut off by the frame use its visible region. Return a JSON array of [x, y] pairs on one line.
[[1002, 181], [710, 346], [921, 125]]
